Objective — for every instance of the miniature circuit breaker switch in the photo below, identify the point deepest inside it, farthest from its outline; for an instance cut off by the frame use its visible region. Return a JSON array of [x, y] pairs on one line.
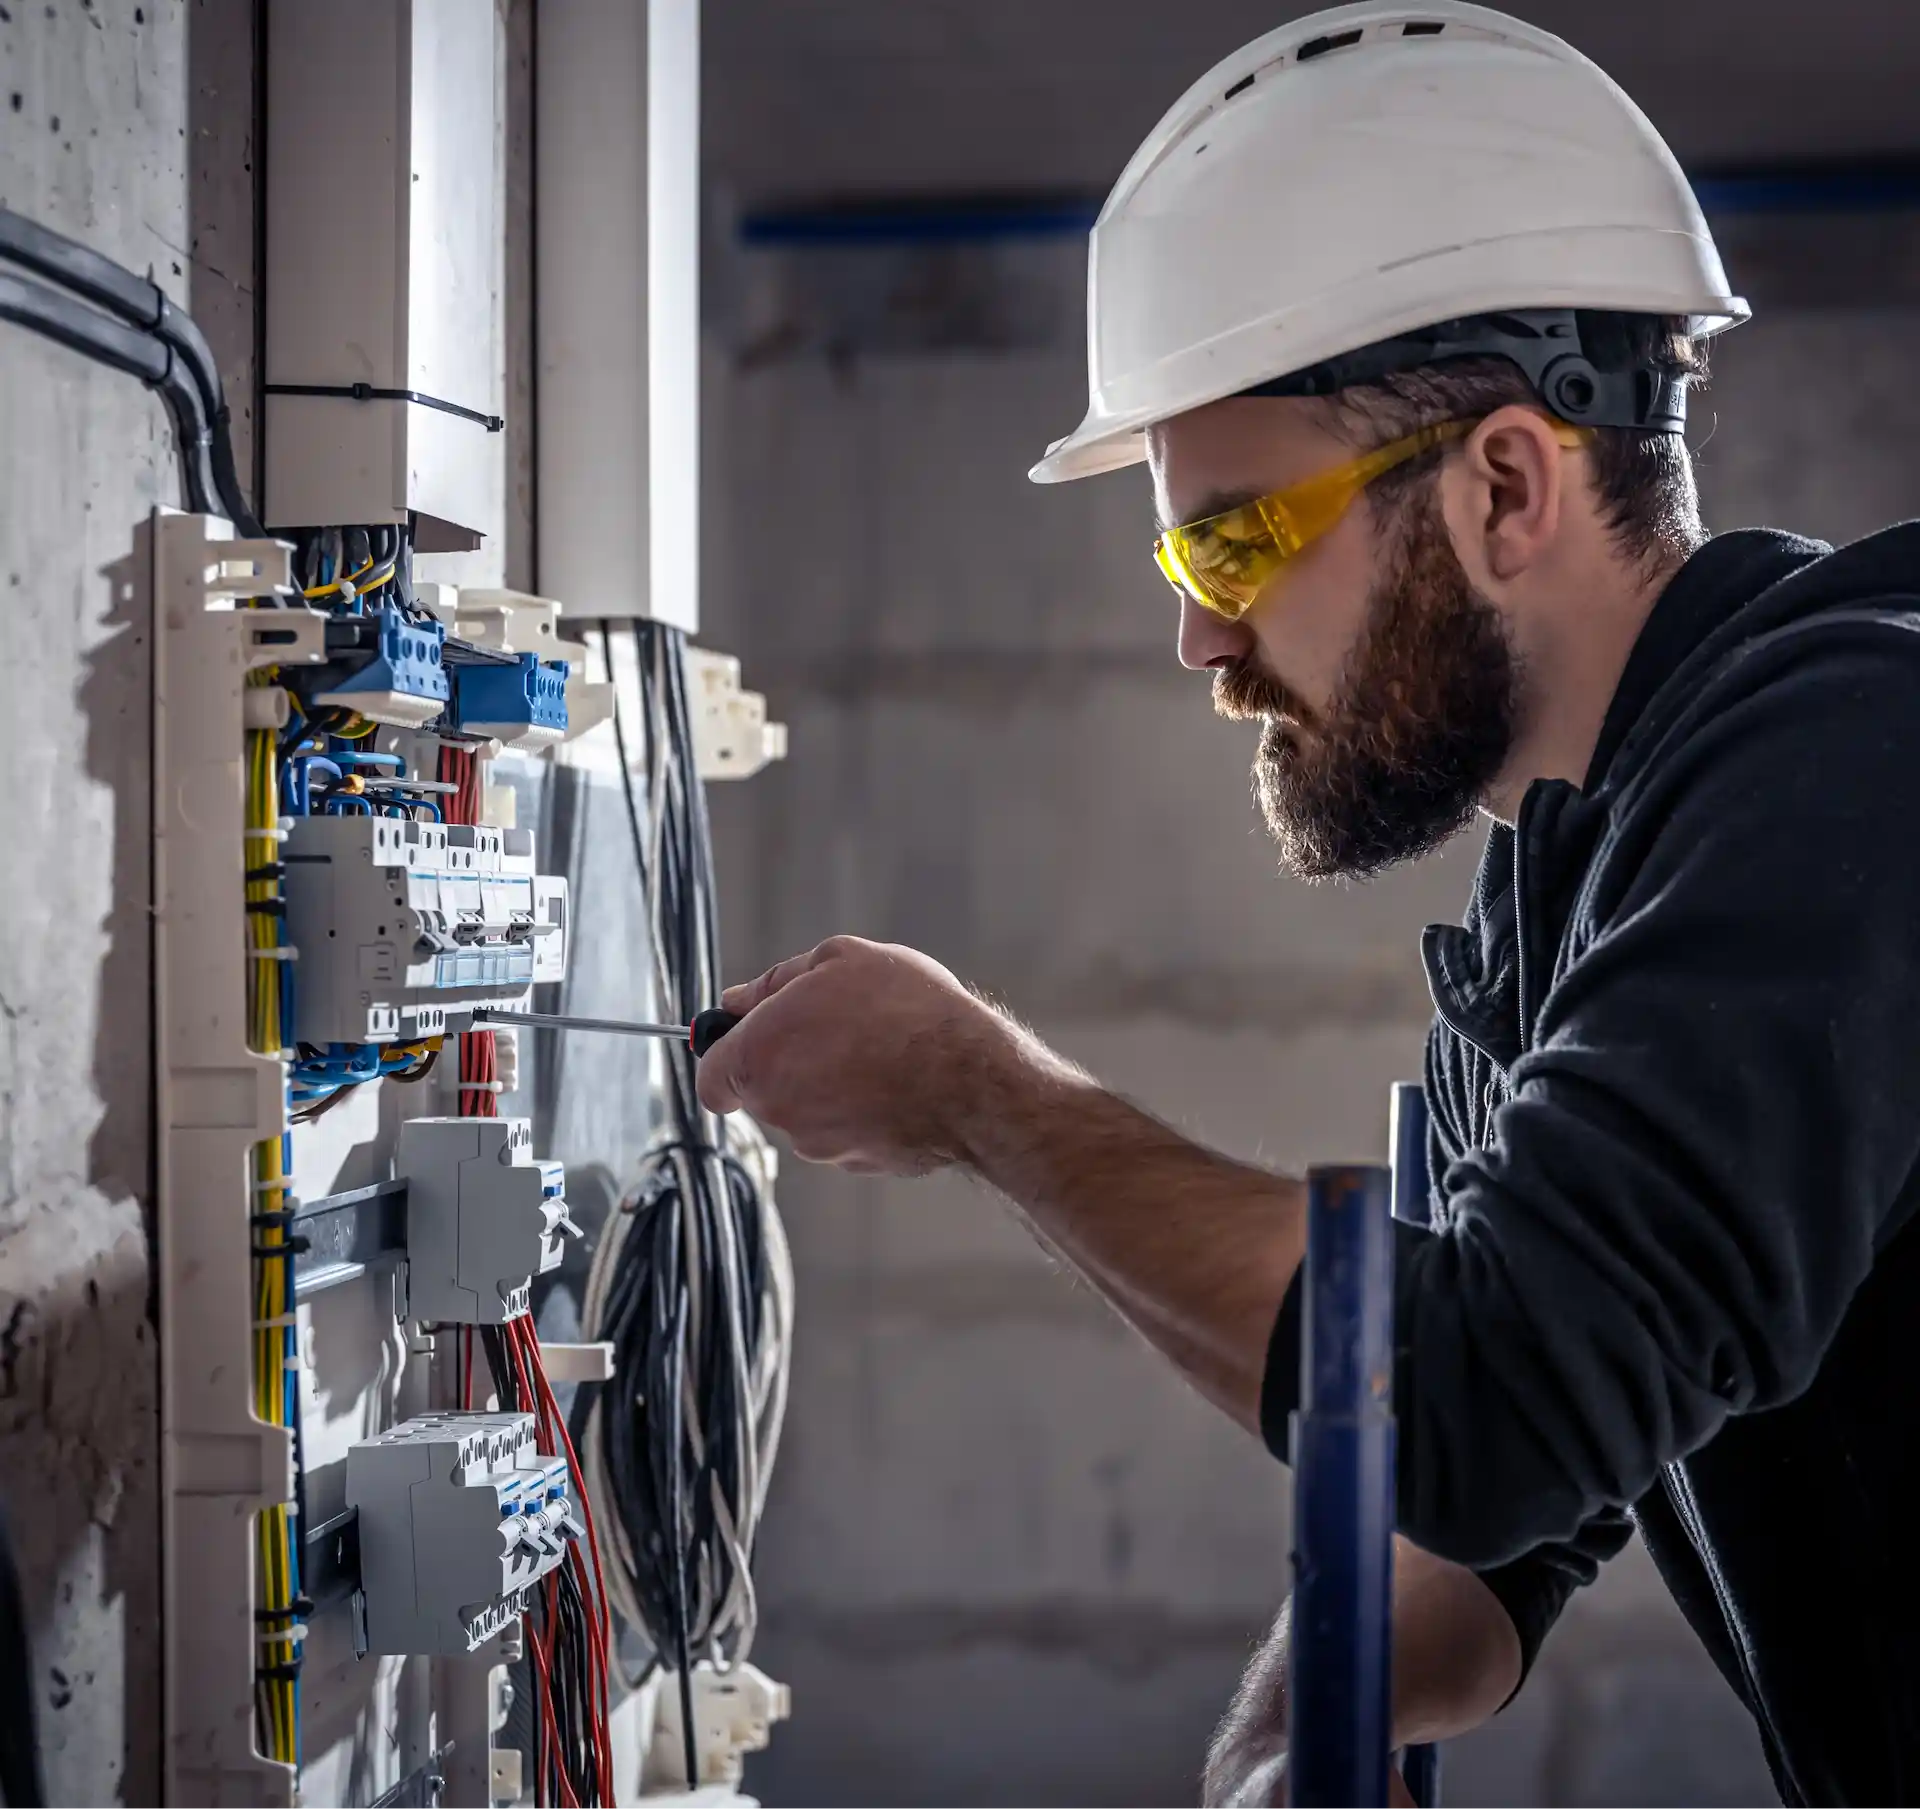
[[459, 1516], [483, 1218], [404, 927]]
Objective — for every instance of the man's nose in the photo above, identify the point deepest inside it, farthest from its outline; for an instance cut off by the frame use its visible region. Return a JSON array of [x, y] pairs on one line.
[[1207, 639]]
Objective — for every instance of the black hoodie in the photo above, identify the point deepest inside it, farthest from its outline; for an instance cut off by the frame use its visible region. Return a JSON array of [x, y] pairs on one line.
[[1675, 1080]]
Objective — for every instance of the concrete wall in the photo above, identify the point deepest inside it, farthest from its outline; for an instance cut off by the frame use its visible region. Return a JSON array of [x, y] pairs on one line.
[[93, 115], [1008, 1558]]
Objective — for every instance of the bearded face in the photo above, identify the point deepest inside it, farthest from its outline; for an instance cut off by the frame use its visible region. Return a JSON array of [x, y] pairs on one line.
[[1419, 728]]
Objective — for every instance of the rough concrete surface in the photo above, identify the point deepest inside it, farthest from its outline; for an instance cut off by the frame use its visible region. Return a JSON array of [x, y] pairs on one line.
[[92, 141]]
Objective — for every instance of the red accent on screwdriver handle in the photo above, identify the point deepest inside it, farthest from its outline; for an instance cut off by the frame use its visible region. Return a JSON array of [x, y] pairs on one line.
[[709, 1027]]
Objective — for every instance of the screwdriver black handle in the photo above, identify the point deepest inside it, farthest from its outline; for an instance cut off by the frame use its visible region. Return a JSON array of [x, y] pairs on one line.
[[709, 1027]]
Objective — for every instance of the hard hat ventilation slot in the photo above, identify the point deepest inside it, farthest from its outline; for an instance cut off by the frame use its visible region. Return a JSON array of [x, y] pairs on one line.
[[1424, 28], [1239, 87], [1318, 47]]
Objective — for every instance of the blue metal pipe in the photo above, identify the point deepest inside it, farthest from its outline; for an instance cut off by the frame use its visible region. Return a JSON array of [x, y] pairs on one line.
[[1407, 1133], [1865, 185], [1413, 1201], [1340, 1659]]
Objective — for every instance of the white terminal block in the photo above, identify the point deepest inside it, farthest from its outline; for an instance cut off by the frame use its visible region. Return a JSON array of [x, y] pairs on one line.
[[460, 1515], [733, 1713], [732, 738], [404, 927], [483, 1218]]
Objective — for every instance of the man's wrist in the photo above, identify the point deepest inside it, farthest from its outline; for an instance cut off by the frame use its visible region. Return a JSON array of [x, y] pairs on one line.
[[1005, 1083]]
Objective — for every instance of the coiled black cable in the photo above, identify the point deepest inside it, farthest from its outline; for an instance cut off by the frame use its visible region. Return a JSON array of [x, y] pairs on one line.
[[690, 1283]]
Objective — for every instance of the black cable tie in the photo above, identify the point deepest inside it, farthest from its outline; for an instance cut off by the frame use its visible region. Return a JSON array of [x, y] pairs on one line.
[[300, 1607], [267, 907], [274, 1673], [294, 1246], [272, 870], [366, 392]]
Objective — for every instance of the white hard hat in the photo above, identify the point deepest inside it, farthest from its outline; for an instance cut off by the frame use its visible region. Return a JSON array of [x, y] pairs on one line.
[[1359, 174]]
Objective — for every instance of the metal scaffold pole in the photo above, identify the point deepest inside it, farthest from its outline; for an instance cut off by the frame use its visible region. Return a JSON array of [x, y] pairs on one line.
[[1342, 1438], [1413, 1201]]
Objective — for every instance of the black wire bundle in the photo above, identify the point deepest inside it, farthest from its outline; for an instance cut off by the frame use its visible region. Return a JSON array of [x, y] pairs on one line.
[[103, 311], [669, 1488], [690, 1284], [22, 1785]]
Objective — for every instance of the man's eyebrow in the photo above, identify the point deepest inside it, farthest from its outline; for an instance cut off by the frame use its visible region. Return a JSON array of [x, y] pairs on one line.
[[1218, 502]]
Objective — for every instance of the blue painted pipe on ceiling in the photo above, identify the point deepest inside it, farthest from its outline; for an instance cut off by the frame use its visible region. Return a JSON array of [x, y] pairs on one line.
[[1889, 185]]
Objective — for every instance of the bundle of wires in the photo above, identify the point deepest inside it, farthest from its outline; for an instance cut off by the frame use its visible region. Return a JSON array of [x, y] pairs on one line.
[[691, 1282], [23, 1782], [280, 1614], [342, 568], [479, 1053], [68, 293], [568, 1632]]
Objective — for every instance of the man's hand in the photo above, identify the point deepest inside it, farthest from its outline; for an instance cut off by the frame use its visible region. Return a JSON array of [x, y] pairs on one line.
[[866, 1055], [878, 1059]]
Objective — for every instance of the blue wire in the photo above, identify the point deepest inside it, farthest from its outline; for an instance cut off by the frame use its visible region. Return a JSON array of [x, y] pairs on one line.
[[303, 793]]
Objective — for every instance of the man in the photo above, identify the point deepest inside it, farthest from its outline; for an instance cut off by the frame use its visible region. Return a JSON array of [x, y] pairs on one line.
[[1401, 303]]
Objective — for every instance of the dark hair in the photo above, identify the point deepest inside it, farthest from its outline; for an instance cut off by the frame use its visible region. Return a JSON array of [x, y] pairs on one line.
[[1644, 480]]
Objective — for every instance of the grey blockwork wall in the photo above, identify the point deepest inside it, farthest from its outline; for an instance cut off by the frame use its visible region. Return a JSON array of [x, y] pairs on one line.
[[93, 114], [1008, 1557]]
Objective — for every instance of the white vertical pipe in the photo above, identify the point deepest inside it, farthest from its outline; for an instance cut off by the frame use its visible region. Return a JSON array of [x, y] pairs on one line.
[[617, 300], [673, 309]]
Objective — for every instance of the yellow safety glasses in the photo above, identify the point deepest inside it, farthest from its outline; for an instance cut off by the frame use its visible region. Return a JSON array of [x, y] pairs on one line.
[[1223, 563]]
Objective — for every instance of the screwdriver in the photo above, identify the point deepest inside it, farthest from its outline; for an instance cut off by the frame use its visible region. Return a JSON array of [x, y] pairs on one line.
[[706, 1030]]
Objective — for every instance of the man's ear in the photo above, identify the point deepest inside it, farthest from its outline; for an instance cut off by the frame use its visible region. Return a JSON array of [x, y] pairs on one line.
[[1502, 497]]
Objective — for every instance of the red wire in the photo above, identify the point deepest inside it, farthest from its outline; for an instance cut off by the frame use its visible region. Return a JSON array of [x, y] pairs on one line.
[[598, 1627], [517, 1355]]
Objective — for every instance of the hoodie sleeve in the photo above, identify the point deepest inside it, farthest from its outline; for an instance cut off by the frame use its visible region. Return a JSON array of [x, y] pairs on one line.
[[1533, 1588], [1712, 1129]]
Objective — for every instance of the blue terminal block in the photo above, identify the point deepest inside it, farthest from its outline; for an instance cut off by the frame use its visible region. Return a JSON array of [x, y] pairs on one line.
[[522, 703], [403, 678]]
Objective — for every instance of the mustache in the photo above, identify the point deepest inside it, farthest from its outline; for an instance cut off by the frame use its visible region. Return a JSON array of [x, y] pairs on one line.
[[1246, 692]]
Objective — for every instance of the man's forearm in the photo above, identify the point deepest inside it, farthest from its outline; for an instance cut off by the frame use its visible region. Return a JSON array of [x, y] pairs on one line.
[[1456, 1660], [1194, 1250]]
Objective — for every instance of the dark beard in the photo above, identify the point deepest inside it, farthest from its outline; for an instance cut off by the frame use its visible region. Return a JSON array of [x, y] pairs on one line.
[[1418, 732]]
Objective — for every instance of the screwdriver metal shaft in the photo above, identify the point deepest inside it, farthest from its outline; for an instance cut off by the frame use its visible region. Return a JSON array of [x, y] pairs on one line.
[[547, 1020], [706, 1030]]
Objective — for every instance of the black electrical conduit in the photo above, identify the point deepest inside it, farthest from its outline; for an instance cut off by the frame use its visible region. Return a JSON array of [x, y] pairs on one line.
[[22, 1785], [141, 333]]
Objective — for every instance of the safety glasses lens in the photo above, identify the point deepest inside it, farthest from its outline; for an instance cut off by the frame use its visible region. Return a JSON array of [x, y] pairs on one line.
[[1223, 563]]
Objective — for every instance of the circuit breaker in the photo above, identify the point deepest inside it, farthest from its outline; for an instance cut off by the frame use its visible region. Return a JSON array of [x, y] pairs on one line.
[[460, 1514], [483, 1218], [405, 927]]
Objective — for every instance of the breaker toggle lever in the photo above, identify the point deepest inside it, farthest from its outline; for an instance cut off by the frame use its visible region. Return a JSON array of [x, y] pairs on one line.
[[706, 1030]]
